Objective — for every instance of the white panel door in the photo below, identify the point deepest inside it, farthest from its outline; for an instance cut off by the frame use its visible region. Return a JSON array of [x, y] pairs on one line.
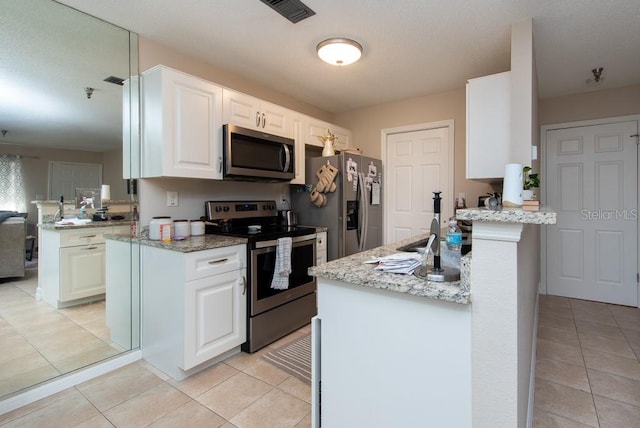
[[66, 177], [418, 163], [592, 184]]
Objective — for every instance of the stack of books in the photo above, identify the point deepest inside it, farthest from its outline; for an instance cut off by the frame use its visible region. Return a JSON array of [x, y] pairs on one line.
[[531, 205]]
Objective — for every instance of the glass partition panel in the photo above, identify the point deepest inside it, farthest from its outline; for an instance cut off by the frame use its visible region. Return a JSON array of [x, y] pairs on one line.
[[69, 94]]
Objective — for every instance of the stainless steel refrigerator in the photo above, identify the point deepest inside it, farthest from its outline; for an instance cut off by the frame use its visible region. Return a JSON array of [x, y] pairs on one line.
[[353, 212]]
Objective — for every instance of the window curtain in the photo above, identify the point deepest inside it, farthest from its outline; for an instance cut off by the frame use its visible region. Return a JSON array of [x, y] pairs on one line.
[[11, 184]]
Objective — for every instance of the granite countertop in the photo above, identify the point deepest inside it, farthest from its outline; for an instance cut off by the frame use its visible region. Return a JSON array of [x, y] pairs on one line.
[[508, 215], [72, 201], [110, 223], [353, 270], [188, 245]]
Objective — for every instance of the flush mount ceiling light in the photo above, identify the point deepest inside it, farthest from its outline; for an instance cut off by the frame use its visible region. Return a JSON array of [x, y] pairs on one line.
[[339, 51]]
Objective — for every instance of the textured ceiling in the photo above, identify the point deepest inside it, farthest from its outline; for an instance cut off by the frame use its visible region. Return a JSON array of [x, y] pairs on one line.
[[411, 47]]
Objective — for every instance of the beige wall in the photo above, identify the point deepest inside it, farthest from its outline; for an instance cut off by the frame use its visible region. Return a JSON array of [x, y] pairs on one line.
[[367, 124], [590, 105], [152, 54], [112, 174], [35, 165]]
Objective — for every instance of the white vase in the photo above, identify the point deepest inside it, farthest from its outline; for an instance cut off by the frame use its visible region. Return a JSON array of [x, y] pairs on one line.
[[328, 148], [527, 194]]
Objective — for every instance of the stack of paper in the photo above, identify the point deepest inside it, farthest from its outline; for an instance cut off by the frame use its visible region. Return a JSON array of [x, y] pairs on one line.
[[399, 263]]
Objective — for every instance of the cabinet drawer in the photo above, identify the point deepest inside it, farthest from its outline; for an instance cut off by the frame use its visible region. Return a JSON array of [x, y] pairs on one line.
[[76, 237], [201, 264]]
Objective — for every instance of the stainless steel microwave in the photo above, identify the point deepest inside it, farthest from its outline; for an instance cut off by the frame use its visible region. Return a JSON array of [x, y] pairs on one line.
[[257, 156]]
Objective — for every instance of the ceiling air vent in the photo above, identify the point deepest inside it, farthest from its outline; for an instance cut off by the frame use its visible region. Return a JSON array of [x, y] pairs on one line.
[[293, 10], [115, 80]]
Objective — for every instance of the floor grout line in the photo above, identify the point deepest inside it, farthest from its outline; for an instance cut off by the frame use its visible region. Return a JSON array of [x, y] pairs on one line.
[[574, 305]]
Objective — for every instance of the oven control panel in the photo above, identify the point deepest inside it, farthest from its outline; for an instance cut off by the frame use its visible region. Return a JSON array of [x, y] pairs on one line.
[[217, 210]]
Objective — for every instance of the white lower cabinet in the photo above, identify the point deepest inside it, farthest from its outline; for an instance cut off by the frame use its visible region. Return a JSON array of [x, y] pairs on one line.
[[214, 317], [194, 307], [321, 248], [73, 264], [82, 271]]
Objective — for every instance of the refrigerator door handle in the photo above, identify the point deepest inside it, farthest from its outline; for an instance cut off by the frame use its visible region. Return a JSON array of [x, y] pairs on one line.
[[359, 213], [363, 210], [365, 206]]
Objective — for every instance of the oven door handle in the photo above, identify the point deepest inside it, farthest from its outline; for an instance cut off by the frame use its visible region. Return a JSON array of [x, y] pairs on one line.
[[274, 242]]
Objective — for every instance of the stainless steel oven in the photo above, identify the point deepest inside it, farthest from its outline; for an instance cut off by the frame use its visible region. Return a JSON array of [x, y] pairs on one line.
[[271, 313], [275, 313], [303, 256]]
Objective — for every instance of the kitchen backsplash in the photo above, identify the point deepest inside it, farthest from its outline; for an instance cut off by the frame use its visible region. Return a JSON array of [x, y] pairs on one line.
[[192, 193]]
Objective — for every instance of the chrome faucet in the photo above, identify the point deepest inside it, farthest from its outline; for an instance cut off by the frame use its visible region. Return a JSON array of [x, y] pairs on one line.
[[60, 211]]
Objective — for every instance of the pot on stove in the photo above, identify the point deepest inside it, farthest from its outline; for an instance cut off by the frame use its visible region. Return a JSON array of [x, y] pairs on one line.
[[288, 218]]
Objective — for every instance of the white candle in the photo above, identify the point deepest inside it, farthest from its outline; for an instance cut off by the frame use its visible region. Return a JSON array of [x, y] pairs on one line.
[[105, 194]]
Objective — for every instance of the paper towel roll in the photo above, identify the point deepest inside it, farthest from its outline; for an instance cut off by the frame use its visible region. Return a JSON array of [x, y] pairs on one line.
[[512, 187], [105, 193]]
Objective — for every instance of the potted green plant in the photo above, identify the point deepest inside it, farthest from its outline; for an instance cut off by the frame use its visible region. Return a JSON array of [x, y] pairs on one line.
[[530, 182]]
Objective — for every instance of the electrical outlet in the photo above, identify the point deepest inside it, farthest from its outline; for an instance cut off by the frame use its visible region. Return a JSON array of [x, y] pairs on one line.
[[172, 199]]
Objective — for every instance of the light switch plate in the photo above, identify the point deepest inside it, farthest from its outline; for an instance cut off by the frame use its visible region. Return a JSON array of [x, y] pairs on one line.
[[172, 199], [534, 152]]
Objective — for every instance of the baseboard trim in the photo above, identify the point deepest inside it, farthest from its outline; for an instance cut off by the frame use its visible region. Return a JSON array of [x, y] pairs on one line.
[[67, 381]]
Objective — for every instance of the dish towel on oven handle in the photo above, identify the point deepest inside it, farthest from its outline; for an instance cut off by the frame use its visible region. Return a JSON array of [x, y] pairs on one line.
[[282, 268]]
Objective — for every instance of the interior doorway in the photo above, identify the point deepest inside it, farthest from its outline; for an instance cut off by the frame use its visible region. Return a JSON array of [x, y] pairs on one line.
[[591, 181], [418, 160]]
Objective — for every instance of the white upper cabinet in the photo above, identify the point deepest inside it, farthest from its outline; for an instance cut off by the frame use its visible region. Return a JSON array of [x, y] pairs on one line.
[[253, 113], [306, 130], [488, 125], [317, 128], [299, 125], [181, 125]]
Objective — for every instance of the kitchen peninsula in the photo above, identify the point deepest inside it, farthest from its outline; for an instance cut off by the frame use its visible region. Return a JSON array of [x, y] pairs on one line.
[[396, 350]]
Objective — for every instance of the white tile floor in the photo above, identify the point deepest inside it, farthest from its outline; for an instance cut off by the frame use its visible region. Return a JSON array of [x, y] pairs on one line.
[[40, 342], [588, 365], [243, 391], [587, 375]]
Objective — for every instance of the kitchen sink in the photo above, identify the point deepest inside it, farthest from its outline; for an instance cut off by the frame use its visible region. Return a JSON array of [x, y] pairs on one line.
[[413, 247]]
